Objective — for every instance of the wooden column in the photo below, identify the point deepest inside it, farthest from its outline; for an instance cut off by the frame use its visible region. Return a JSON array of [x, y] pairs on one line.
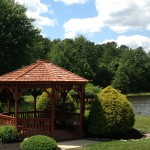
[[82, 109], [53, 98], [64, 95], [8, 102], [16, 96], [34, 96], [8, 105], [35, 93]]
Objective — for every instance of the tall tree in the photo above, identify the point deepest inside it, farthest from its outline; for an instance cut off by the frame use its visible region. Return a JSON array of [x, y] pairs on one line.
[[17, 36], [135, 69]]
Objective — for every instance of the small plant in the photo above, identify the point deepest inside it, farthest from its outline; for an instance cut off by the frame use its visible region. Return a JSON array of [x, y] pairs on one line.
[[8, 134], [38, 142]]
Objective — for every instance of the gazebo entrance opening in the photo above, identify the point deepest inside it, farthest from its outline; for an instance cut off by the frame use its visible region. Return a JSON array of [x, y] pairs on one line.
[[53, 122]]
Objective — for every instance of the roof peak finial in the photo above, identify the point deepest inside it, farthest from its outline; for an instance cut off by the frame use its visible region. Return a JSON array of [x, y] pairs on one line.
[[42, 60]]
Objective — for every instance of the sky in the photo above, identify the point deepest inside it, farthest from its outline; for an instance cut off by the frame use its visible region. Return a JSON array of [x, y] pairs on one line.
[[125, 22]]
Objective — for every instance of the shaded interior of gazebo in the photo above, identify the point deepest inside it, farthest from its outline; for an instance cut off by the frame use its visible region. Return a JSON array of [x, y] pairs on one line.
[[43, 75]]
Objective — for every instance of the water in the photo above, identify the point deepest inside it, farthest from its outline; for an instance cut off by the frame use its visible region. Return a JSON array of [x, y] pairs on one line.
[[141, 104]]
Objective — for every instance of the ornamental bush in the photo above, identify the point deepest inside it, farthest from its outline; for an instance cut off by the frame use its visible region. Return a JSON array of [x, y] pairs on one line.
[[44, 102], [8, 134], [38, 142], [113, 115]]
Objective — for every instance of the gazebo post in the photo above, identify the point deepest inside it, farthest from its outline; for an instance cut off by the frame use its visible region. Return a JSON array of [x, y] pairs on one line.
[[16, 96], [34, 96], [8, 105], [82, 108], [34, 93], [64, 95], [53, 97], [8, 102]]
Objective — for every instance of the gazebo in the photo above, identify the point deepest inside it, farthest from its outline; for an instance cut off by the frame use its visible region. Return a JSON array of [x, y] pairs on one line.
[[42, 75]]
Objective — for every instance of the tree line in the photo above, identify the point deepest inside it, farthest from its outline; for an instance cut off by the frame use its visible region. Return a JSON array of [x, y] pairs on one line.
[[103, 64]]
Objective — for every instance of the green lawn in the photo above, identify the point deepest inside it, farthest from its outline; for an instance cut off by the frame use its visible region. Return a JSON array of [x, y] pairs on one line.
[[141, 123], [120, 145], [139, 94]]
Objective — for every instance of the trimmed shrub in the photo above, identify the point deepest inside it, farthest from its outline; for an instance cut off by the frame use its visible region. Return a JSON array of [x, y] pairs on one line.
[[8, 134], [95, 123], [38, 142], [44, 102], [114, 114]]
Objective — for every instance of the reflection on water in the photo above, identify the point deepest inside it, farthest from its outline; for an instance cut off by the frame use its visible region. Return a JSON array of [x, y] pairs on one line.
[[141, 105]]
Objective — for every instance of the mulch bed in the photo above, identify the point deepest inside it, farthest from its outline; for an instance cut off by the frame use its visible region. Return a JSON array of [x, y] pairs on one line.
[[10, 146]]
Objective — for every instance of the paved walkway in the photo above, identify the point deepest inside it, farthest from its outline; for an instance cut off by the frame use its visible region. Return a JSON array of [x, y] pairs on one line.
[[75, 144]]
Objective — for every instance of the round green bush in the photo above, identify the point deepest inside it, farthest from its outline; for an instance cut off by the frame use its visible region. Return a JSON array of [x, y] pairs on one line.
[[38, 142], [8, 134], [114, 114]]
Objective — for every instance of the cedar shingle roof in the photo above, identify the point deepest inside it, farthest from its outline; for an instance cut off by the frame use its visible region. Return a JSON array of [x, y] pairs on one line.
[[42, 71]]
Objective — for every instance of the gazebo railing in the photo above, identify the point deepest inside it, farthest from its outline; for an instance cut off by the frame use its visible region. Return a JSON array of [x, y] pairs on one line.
[[68, 118], [6, 120], [28, 126], [31, 114]]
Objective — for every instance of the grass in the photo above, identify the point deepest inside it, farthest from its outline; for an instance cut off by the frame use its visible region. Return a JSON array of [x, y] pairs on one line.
[[139, 94], [141, 123], [143, 144]]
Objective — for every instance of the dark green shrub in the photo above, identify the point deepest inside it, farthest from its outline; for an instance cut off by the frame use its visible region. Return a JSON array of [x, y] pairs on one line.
[[91, 91], [8, 134], [38, 142], [44, 102], [115, 115], [95, 123]]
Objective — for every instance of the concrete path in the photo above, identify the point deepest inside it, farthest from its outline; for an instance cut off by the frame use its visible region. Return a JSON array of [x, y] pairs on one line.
[[75, 143]]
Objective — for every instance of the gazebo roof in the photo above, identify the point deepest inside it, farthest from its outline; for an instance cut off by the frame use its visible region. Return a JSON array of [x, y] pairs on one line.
[[41, 71]]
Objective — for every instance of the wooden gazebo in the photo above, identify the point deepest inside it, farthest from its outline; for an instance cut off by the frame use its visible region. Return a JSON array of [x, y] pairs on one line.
[[42, 75]]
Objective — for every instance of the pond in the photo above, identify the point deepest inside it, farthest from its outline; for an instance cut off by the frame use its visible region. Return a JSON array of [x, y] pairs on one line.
[[140, 104]]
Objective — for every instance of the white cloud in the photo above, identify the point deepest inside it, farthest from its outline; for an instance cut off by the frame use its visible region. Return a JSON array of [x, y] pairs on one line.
[[70, 2], [82, 26], [36, 9], [133, 41], [122, 16]]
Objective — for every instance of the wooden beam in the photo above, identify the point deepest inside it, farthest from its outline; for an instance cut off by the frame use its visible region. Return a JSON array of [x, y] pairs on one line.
[[16, 95], [82, 110], [53, 98]]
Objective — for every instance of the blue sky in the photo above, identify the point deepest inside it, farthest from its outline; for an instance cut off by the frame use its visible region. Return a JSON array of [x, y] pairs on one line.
[[126, 22]]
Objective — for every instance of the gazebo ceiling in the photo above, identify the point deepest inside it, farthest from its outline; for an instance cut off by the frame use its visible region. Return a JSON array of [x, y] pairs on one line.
[[41, 71]]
